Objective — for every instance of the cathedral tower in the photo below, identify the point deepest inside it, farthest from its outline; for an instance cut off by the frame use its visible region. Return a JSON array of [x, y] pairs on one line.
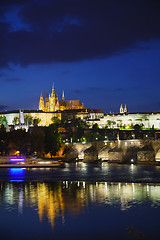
[[52, 100], [41, 102], [47, 103], [52, 104], [53, 91], [63, 95]]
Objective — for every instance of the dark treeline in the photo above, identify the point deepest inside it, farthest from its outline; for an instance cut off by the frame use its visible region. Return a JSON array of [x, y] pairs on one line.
[[44, 140], [38, 140]]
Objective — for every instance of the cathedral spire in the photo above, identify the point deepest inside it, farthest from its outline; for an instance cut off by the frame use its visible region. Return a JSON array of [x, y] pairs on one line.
[[46, 95], [53, 91], [63, 95], [41, 102]]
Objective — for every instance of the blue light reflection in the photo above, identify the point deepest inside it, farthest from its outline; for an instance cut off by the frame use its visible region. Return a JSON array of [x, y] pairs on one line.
[[17, 180], [17, 174]]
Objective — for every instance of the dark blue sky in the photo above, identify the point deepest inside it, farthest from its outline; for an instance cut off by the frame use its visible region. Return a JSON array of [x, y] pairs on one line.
[[103, 52]]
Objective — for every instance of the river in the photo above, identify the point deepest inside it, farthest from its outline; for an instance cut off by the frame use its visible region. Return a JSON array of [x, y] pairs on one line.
[[80, 201]]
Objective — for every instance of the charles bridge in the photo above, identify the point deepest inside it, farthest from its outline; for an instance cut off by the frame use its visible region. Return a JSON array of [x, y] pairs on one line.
[[136, 150]]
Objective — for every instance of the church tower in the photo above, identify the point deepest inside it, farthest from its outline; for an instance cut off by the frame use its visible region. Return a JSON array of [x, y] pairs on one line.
[[121, 109], [41, 102], [53, 91], [52, 100], [46, 103], [63, 95], [125, 109]]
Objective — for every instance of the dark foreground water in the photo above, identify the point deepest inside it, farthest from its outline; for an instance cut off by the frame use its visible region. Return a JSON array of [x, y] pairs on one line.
[[80, 202]]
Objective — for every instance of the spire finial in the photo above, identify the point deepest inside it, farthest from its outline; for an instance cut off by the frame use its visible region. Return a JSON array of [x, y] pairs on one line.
[[63, 95], [46, 94], [53, 88], [53, 91]]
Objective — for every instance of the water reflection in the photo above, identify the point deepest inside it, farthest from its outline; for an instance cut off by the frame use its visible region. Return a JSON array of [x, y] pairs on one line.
[[53, 200], [17, 174]]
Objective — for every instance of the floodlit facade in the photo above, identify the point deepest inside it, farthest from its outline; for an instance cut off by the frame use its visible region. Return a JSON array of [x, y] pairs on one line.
[[52, 104], [127, 120], [44, 117]]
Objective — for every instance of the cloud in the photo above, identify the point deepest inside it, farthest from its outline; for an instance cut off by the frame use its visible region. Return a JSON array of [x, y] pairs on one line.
[[89, 90], [98, 90], [67, 31], [3, 107], [2, 74], [13, 79]]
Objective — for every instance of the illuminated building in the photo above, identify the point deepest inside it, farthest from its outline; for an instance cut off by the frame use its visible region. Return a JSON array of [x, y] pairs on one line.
[[44, 117], [52, 104], [49, 108], [126, 119]]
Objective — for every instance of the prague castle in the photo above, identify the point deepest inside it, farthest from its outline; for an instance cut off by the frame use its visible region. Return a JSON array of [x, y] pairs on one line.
[[52, 104], [51, 107]]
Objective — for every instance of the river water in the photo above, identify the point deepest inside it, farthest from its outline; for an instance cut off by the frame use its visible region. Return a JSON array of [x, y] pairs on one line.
[[80, 201]]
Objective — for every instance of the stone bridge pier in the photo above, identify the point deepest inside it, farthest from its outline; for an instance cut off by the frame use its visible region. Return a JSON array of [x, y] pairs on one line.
[[116, 151]]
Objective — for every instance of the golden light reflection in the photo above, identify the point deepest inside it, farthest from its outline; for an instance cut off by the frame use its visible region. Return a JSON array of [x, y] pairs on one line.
[[55, 200], [50, 203]]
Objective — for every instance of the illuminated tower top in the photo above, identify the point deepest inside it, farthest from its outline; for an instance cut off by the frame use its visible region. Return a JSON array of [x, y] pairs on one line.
[[125, 108], [63, 95], [41, 102], [121, 109], [53, 91]]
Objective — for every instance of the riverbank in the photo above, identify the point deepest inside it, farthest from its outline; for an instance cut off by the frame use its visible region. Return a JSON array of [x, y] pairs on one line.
[[7, 162], [31, 165], [22, 162]]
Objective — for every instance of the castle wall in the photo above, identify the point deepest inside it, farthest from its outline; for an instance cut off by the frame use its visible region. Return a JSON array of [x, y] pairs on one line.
[[149, 120], [45, 117], [10, 117]]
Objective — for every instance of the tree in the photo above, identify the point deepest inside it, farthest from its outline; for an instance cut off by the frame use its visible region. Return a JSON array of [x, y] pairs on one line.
[[95, 126], [137, 127], [113, 123], [28, 120], [108, 124], [37, 140], [56, 120], [52, 140], [91, 137], [19, 141], [4, 143], [15, 121], [78, 134], [36, 121], [3, 120]]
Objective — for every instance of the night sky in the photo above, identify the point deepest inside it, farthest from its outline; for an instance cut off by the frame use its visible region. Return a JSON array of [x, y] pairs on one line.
[[103, 52]]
